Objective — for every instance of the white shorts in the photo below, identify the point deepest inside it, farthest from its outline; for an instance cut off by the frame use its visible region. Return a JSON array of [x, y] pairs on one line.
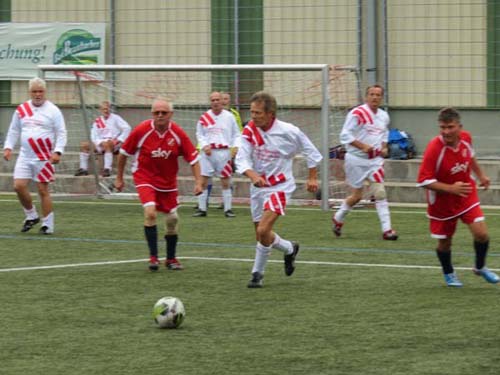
[[34, 169], [273, 198], [100, 150], [357, 170], [217, 164]]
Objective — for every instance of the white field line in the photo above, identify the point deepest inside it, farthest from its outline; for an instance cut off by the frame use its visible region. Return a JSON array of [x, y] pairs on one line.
[[337, 264], [293, 208]]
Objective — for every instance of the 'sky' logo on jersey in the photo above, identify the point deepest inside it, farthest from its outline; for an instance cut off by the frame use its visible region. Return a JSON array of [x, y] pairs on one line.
[[161, 153], [457, 168]]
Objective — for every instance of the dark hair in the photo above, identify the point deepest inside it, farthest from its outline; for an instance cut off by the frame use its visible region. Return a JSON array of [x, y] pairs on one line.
[[448, 114], [269, 101]]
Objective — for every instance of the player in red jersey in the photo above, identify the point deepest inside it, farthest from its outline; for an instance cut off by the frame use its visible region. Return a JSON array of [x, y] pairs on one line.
[[156, 145], [451, 194]]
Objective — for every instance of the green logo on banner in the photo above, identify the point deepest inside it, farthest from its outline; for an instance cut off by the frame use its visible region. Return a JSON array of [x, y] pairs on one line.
[[73, 47]]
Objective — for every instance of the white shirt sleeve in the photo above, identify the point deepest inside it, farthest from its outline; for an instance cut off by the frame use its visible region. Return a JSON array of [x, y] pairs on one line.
[[236, 134], [93, 134], [309, 150], [124, 128], [347, 135], [386, 133], [60, 129], [200, 135], [13, 133], [243, 160]]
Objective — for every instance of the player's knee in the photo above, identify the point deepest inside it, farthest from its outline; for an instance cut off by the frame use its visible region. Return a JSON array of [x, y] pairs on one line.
[[43, 191], [150, 215], [20, 186], [171, 223], [204, 182], [264, 235], [84, 146], [481, 237], [108, 146], [150, 219], [378, 191], [226, 183], [444, 245], [354, 197]]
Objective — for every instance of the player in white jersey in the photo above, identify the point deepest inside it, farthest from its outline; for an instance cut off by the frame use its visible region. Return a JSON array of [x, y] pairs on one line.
[[218, 139], [40, 126], [108, 132], [365, 133], [266, 155]]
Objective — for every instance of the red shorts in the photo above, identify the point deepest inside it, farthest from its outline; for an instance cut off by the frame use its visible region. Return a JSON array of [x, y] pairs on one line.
[[446, 228], [165, 201]]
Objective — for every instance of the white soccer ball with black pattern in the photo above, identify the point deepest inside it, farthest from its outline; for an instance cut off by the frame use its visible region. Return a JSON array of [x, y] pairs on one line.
[[169, 312]]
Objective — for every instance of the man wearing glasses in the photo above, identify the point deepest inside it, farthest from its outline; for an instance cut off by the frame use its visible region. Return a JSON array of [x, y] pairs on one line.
[[156, 145]]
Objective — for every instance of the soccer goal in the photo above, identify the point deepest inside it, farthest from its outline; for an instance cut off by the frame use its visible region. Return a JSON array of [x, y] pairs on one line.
[[314, 97]]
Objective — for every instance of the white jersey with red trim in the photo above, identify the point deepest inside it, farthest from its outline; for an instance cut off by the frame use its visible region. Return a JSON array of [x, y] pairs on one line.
[[361, 124], [218, 131], [113, 127], [42, 131], [270, 153]]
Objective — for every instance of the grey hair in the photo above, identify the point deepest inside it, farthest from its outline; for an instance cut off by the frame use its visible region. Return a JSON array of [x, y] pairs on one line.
[[37, 81]]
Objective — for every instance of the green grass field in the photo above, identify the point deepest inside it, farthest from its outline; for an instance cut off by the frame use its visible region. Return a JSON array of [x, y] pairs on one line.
[[80, 301]]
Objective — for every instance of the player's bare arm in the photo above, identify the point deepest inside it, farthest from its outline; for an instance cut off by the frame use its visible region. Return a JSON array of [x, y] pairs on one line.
[[384, 152], [55, 158], [198, 181], [312, 180], [7, 154], [362, 146], [207, 150], [257, 180], [484, 180]]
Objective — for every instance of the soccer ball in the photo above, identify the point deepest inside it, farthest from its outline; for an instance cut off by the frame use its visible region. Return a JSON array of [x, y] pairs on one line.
[[169, 312]]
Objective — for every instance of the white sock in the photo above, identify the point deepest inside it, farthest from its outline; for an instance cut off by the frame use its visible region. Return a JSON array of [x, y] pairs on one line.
[[261, 255], [383, 214], [49, 221], [84, 160], [108, 160], [30, 214], [342, 212], [227, 197], [202, 200], [282, 244]]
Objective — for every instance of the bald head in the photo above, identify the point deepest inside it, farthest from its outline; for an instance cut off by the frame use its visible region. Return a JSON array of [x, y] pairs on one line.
[[162, 111]]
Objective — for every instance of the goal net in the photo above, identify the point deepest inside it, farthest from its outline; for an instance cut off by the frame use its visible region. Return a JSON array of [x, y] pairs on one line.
[[315, 97]]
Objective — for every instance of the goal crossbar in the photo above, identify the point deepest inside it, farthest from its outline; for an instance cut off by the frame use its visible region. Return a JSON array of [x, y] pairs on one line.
[[184, 68]]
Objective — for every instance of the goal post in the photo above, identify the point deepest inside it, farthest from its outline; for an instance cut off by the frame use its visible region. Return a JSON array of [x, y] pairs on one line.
[[311, 96]]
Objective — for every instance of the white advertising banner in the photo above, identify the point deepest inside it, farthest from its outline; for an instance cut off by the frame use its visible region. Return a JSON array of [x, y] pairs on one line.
[[24, 46]]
